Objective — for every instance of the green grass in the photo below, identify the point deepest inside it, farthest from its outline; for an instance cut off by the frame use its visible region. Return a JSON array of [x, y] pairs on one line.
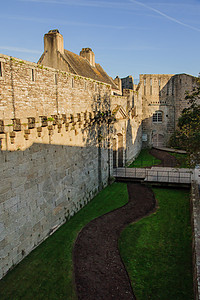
[[47, 273], [182, 160], [156, 252], [157, 249], [144, 159]]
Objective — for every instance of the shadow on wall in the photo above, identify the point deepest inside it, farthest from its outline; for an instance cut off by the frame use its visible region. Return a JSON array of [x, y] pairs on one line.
[[48, 183], [52, 179], [101, 134], [133, 142], [41, 188]]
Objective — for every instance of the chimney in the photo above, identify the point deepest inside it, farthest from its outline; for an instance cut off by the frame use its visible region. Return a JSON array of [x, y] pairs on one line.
[[89, 55], [118, 82], [53, 41]]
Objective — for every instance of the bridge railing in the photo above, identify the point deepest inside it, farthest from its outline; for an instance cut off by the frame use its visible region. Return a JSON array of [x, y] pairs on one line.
[[168, 175]]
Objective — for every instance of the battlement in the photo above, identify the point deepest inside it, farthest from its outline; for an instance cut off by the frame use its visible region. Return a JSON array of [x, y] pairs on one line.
[[20, 134]]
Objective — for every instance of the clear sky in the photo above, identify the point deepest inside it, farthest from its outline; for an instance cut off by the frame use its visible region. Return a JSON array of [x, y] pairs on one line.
[[128, 37]]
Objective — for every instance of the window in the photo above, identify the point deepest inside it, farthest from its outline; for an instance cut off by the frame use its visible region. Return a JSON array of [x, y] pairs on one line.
[[172, 86], [1, 72], [150, 86], [159, 87], [72, 82], [157, 117], [167, 88], [33, 75], [159, 83], [144, 86], [55, 79]]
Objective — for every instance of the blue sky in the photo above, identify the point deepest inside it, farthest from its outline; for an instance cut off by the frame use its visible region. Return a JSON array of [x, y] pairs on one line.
[[128, 37]]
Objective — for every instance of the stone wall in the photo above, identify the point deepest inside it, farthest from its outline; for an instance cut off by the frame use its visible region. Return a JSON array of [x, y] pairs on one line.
[[165, 94], [183, 83], [195, 212], [41, 188], [33, 90], [56, 134]]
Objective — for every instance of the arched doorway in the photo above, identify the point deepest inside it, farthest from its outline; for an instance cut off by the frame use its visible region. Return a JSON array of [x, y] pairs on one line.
[[158, 140]]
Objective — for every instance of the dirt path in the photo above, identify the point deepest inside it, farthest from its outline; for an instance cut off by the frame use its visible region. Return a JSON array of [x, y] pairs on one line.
[[99, 271], [167, 160]]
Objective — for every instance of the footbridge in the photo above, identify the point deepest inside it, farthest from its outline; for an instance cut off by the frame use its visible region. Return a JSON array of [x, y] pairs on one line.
[[155, 175]]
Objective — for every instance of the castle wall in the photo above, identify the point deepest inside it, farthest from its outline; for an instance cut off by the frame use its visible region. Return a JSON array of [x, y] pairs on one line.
[[58, 147], [56, 150], [130, 128], [33, 90], [41, 188]]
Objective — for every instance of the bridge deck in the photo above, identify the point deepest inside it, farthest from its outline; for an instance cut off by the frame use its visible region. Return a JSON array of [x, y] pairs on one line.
[[156, 174]]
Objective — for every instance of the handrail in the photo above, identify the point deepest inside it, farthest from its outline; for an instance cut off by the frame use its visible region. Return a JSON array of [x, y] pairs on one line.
[[161, 175]]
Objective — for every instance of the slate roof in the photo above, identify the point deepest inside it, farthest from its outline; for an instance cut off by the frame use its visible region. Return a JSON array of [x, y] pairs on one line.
[[82, 67]]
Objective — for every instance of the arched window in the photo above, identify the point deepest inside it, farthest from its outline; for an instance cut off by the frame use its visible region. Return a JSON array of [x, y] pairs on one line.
[[157, 117]]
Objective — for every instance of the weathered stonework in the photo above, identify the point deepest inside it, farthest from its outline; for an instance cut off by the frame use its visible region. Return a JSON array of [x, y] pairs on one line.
[[164, 94], [64, 125], [57, 132]]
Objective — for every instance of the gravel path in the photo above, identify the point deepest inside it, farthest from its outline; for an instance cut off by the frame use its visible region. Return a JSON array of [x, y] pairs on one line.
[[99, 270]]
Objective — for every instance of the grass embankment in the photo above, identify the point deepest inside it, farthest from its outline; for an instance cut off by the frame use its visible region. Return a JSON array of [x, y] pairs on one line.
[[47, 273], [157, 249], [144, 159]]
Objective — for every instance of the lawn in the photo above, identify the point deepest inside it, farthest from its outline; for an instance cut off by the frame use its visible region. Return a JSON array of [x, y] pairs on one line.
[[47, 273], [144, 159], [182, 159], [157, 250]]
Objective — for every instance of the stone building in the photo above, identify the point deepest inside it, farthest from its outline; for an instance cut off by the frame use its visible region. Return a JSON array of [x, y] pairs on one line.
[[163, 99], [64, 125], [128, 82]]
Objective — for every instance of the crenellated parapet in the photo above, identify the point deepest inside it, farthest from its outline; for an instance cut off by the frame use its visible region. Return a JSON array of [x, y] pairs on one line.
[[19, 134]]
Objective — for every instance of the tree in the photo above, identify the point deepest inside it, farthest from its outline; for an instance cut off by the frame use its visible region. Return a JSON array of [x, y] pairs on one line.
[[187, 136]]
